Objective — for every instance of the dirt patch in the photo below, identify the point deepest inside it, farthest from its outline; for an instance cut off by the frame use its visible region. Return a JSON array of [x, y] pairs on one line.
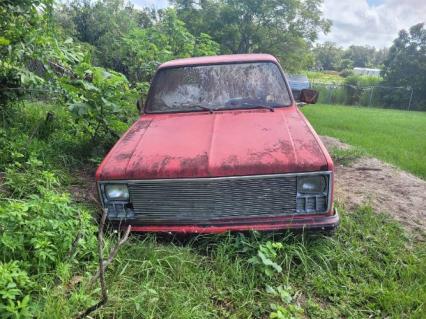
[[83, 186], [386, 188]]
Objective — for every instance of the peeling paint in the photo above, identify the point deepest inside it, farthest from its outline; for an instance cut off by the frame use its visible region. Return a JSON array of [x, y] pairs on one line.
[[208, 145]]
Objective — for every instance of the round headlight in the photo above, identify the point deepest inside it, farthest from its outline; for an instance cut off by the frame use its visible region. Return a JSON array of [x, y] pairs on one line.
[[311, 184], [117, 191]]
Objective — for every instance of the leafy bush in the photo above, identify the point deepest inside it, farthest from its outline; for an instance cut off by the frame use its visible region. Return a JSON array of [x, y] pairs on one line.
[[14, 287], [266, 258], [41, 229], [99, 98], [29, 178]]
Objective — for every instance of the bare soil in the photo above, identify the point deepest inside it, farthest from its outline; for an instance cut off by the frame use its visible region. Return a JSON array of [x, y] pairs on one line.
[[83, 186], [387, 189]]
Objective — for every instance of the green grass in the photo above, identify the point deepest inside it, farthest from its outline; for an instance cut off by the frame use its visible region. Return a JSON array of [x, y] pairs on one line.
[[325, 77], [397, 137], [350, 275]]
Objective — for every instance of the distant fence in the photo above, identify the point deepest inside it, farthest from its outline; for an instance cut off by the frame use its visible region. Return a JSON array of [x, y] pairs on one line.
[[368, 96]]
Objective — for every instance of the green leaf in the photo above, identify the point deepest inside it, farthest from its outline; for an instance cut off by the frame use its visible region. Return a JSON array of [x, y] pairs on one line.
[[4, 41], [80, 108], [88, 86], [268, 262]]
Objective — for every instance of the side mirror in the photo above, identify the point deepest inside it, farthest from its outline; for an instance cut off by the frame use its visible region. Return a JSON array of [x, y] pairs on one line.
[[309, 96], [140, 104]]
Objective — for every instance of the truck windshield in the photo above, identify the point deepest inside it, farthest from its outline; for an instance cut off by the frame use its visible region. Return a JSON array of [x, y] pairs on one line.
[[218, 87]]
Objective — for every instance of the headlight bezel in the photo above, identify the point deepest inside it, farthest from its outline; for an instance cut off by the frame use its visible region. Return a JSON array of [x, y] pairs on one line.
[[312, 184], [317, 200], [121, 189]]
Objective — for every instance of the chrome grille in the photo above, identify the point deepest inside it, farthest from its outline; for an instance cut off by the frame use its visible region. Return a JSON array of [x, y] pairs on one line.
[[204, 200]]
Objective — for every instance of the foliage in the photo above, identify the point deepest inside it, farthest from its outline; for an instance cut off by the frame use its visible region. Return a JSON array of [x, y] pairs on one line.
[[266, 257], [40, 230], [134, 47], [325, 77], [99, 98], [364, 56], [283, 28], [37, 223], [19, 21], [406, 65], [286, 309], [350, 275], [144, 49], [329, 56], [14, 286], [96, 22], [358, 88]]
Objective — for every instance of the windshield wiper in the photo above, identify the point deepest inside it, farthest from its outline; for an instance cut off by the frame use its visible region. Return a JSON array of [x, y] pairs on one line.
[[261, 106], [205, 108], [202, 107]]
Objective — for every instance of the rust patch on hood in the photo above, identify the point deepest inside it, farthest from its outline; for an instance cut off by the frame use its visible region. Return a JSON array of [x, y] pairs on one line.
[[135, 129], [167, 166]]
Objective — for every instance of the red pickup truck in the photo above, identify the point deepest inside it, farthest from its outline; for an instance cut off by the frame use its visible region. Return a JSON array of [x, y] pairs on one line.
[[220, 146]]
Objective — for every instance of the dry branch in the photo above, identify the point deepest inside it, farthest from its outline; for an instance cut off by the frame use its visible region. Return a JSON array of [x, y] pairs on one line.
[[103, 264], [104, 292], [112, 254]]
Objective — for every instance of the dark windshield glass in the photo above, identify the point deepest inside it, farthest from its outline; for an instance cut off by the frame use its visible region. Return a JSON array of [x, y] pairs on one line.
[[223, 86]]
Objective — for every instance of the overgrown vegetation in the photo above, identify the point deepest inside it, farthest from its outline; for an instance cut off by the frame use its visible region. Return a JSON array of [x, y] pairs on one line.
[[85, 78], [402, 67], [329, 56]]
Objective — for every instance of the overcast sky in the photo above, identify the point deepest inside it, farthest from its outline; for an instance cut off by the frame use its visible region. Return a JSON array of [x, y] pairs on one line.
[[364, 22]]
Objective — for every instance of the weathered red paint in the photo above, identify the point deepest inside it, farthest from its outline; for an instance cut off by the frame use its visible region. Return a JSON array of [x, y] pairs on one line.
[[226, 143], [223, 143], [305, 222]]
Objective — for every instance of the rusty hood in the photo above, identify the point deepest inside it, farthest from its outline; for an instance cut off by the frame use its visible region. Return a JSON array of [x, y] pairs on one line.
[[226, 143]]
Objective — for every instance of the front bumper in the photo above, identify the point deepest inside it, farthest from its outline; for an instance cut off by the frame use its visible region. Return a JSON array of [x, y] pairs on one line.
[[301, 222]]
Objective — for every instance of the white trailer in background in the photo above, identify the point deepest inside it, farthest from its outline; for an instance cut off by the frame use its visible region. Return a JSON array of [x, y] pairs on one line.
[[367, 71]]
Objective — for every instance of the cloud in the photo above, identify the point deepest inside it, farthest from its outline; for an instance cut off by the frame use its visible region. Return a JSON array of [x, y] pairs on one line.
[[374, 23]]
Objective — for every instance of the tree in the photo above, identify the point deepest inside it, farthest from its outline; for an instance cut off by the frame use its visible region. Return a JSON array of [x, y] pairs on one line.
[[380, 57], [20, 22], [328, 56], [285, 28], [361, 56], [132, 41], [406, 63]]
